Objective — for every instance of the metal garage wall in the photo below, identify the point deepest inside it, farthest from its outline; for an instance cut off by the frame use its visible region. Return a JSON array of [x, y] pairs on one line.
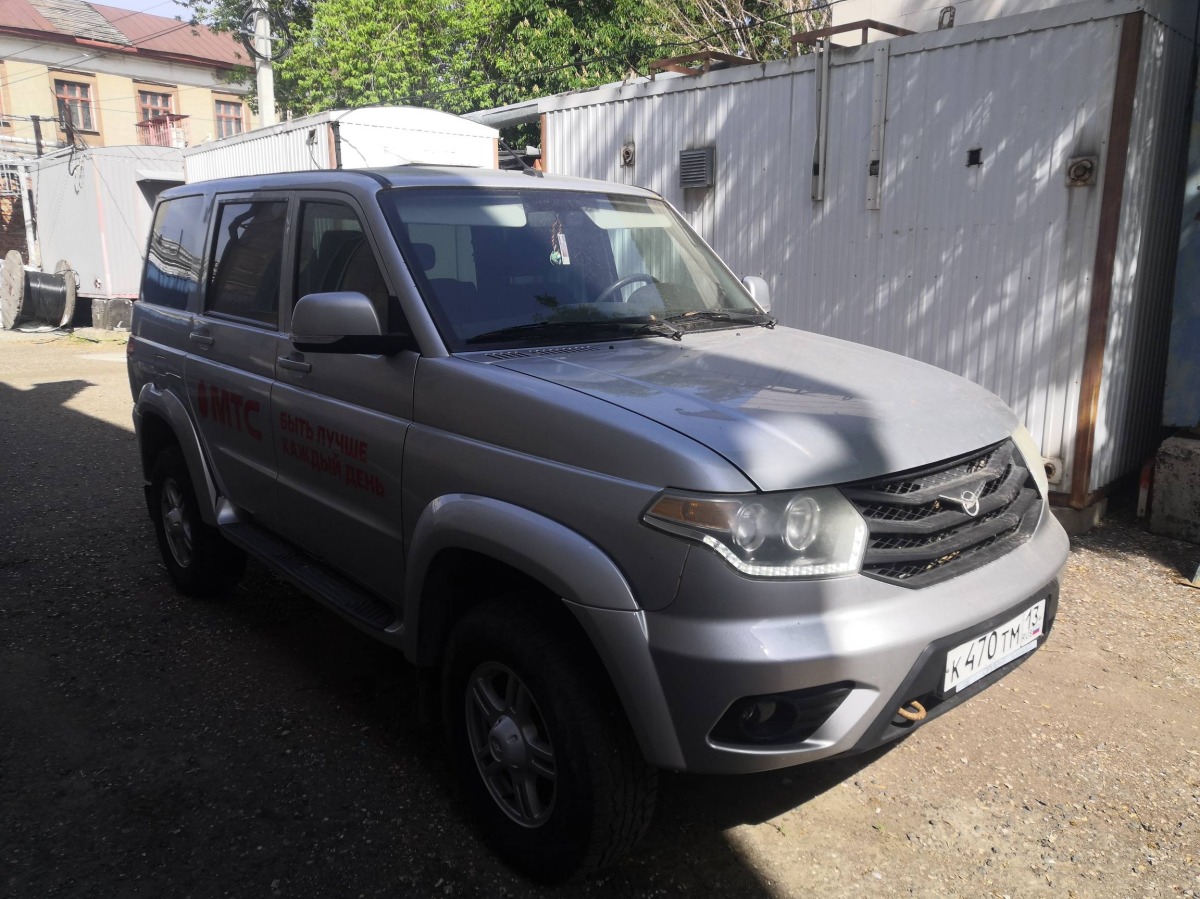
[[982, 270], [1135, 354]]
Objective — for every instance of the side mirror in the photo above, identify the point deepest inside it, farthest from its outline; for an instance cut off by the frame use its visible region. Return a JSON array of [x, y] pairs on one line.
[[343, 321], [759, 291]]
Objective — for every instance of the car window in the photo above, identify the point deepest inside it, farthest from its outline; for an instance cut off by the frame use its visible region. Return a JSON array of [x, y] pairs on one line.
[[173, 260], [507, 265], [334, 254], [248, 259]]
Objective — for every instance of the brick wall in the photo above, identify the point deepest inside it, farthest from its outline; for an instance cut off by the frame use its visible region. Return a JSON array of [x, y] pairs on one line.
[[12, 227]]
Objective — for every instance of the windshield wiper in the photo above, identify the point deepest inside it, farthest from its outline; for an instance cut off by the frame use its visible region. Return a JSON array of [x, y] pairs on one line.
[[632, 326], [725, 315]]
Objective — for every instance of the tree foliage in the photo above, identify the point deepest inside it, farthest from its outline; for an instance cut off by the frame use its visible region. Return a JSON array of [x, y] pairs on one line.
[[360, 52], [460, 55], [759, 29]]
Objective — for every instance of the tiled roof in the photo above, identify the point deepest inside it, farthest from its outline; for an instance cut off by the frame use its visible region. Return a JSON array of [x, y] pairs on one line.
[[75, 20], [79, 19], [172, 36]]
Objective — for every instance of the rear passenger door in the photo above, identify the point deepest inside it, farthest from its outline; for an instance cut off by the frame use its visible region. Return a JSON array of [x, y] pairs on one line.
[[340, 420], [230, 366]]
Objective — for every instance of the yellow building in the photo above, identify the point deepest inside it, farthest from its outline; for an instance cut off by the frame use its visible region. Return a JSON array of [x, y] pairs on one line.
[[80, 73]]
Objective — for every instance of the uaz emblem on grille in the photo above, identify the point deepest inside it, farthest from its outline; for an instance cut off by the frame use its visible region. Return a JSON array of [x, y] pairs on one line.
[[968, 500]]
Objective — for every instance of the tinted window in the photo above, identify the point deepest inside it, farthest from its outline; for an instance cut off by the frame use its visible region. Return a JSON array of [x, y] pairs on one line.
[[247, 260], [334, 254], [173, 261]]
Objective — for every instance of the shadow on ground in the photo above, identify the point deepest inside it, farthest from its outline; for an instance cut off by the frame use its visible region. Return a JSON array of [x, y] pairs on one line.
[[257, 745]]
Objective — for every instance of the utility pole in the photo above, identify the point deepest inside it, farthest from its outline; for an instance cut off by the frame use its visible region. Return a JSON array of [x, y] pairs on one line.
[[37, 133], [262, 64]]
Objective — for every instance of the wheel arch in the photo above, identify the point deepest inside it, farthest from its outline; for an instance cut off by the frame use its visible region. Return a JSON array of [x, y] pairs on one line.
[[466, 549], [161, 419], [463, 541]]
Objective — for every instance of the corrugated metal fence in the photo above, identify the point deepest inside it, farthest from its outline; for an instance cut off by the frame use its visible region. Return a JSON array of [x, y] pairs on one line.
[[982, 269]]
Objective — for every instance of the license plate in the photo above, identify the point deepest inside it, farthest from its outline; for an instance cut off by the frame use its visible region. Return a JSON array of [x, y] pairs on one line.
[[970, 661]]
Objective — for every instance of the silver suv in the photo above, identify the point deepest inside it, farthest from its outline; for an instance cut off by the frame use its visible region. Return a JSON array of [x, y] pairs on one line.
[[534, 433]]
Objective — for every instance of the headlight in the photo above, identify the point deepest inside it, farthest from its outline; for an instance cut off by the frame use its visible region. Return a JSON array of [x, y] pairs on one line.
[[814, 533], [1032, 455]]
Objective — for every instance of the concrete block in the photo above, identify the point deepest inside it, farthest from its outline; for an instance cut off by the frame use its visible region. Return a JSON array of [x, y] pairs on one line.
[[1175, 506], [111, 314], [1080, 521]]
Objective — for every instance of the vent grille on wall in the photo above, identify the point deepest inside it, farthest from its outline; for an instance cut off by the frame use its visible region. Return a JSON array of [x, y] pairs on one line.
[[696, 167]]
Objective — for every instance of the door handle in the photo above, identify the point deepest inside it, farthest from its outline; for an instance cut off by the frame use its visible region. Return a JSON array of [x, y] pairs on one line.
[[201, 338], [293, 364]]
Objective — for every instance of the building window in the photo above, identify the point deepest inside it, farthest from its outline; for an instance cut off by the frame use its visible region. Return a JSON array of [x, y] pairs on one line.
[[229, 118], [151, 104], [75, 104]]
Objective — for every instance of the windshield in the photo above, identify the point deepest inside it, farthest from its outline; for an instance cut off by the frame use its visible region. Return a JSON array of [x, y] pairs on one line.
[[536, 267]]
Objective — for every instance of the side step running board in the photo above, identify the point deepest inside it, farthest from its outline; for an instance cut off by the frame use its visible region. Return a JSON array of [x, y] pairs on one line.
[[359, 607]]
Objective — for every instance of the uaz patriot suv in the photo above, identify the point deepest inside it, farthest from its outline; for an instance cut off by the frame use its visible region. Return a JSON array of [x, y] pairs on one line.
[[533, 433]]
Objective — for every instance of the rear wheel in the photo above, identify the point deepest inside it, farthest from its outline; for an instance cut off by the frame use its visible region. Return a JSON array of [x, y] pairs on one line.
[[199, 560], [546, 757]]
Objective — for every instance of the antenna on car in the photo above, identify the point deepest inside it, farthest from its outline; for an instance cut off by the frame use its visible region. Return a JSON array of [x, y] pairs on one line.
[[525, 166]]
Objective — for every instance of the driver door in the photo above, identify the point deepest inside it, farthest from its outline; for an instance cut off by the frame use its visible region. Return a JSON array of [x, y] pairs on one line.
[[340, 419]]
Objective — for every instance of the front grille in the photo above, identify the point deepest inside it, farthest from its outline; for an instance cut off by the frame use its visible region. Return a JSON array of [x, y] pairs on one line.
[[939, 522]]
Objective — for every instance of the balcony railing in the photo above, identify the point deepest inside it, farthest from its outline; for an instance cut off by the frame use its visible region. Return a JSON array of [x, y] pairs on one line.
[[168, 130]]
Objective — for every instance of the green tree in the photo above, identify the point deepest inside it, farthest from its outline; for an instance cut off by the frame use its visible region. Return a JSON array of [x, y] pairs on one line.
[[459, 55], [543, 48], [360, 52]]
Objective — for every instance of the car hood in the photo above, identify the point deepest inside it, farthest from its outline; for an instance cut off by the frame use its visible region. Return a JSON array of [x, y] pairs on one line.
[[789, 408]]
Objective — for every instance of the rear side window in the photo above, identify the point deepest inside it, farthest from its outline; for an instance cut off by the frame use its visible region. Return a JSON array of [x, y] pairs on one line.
[[247, 260], [173, 262]]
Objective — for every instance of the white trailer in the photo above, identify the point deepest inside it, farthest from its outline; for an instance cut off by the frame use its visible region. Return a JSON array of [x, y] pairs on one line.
[[341, 138], [91, 208], [1000, 199]]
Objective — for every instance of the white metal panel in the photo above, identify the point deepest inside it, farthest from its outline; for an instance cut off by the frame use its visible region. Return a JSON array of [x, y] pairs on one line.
[[1127, 424], [984, 271], [375, 136], [275, 149], [125, 199], [93, 209]]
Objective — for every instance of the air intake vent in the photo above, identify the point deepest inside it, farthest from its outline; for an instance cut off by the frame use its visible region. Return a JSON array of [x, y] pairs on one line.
[[696, 167], [544, 351]]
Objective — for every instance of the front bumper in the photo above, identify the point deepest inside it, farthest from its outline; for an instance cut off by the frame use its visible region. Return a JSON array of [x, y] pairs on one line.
[[727, 637]]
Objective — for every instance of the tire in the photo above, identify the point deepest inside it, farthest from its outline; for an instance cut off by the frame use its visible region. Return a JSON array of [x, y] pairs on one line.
[[199, 560], [543, 751]]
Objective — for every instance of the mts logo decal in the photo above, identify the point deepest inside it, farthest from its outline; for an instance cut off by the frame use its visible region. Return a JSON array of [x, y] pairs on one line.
[[229, 409]]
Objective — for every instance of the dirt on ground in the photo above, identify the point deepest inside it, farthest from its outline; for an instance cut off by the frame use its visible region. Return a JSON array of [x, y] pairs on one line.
[[152, 745]]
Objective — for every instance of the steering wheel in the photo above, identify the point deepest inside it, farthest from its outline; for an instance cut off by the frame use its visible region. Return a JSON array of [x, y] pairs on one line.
[[640, 277]]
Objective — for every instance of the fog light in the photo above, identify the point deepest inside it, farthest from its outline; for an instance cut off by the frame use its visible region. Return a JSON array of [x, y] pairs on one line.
[[766, 720], [780, 717]]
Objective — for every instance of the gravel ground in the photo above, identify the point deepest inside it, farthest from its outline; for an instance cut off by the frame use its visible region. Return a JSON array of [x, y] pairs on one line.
[[156, 746]]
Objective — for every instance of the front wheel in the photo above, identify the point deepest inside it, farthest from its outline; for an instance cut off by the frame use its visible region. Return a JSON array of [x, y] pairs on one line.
[[199, 560], [545, 755]]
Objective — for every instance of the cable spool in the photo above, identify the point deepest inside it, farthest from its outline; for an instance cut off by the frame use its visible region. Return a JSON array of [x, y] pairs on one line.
[[29, 296]]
